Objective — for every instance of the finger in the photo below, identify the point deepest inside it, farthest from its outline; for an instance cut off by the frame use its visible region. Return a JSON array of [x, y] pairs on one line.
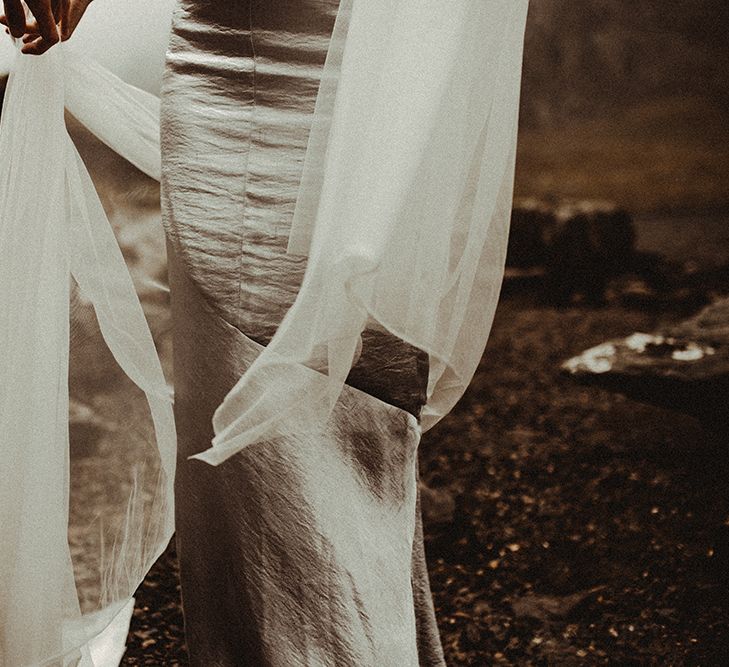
[[33, 47], [56, 10], [73, 13], [62, 16], [30, 36], [44, 16], [37, 47], [15, 16], [66, 26], [31, 27]]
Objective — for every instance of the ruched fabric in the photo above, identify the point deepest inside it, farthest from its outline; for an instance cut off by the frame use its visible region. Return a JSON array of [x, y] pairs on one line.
[[306, 550]]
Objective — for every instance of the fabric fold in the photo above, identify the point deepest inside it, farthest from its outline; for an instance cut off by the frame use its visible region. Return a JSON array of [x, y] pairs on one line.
[[53, 228], [403, 211]]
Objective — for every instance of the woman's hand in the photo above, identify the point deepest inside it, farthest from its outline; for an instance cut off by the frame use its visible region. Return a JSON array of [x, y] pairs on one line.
[[41, 34]]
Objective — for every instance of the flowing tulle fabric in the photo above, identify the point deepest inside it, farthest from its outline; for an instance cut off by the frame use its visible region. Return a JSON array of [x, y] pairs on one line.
[[403, 210], [403, 213], [78, 529]]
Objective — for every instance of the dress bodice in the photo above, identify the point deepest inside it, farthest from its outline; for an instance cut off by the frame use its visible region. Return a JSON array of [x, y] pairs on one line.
[[239, 93], [238, 98]]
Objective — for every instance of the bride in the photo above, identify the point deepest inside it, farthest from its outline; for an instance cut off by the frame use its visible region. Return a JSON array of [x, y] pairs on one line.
[[336, 185]]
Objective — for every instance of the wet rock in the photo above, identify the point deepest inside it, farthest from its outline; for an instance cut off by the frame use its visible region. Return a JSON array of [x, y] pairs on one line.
[[591, 243], [581, 245], [711, 324], [532, 223], [684, 367]]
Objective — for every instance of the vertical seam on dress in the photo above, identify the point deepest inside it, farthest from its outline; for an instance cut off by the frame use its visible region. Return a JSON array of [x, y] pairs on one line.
[[238, 318], [171, 230]]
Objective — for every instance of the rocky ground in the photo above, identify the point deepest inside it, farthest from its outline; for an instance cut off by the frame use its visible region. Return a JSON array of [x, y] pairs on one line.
[[588, 529]]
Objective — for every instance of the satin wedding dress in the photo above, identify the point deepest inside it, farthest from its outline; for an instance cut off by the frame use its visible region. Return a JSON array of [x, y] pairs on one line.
[[313, 537], [336, 187]]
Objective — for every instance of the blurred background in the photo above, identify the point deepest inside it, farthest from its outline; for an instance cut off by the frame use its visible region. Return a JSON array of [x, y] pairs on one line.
[[627, 102], [577, 499]]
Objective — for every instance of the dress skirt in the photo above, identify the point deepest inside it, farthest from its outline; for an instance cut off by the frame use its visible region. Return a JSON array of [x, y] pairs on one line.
[[304, 550]]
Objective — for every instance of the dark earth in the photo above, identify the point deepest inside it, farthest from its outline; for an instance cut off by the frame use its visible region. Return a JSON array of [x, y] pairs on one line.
[[588, 529]]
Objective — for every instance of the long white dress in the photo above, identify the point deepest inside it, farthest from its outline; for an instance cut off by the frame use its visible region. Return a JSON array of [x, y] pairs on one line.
[[302, 545], [308, 580]]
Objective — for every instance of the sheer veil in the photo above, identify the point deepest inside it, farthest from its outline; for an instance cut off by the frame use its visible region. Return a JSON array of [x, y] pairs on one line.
[[403, 210], [403, 213], [84, 511]]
